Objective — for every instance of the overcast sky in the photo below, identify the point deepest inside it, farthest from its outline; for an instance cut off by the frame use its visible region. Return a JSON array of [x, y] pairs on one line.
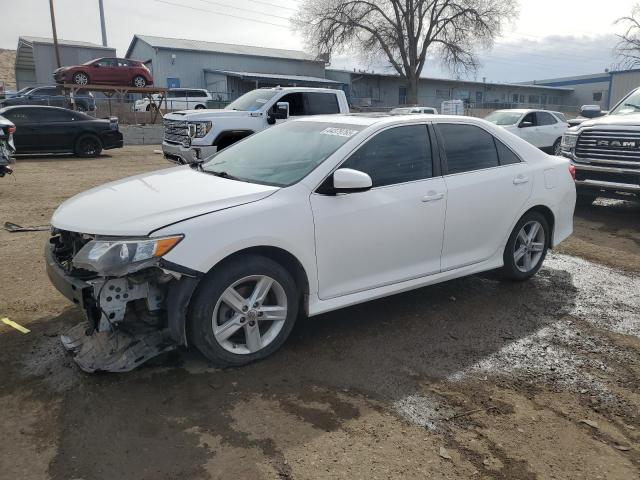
[[551, 38]]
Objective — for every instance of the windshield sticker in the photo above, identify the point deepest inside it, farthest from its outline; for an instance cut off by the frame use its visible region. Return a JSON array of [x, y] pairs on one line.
[[261, 100], [340, 132]]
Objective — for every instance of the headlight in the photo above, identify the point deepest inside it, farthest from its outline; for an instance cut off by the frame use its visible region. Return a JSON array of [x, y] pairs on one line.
[[117, 257], [202, 128], [569, 140]]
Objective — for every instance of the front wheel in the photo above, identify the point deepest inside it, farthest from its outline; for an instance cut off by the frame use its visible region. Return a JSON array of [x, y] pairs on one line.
[[243, 311], [526, 247], [80, 78]]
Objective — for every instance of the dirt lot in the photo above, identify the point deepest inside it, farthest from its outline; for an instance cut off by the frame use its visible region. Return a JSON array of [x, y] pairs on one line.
[[474, 378]]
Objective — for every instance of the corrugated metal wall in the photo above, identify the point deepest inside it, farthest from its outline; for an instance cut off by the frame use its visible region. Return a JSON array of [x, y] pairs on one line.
[[189, 66], [621, 84]]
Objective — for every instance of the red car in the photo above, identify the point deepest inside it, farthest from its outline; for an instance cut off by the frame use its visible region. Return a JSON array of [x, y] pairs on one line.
[[106, 71]]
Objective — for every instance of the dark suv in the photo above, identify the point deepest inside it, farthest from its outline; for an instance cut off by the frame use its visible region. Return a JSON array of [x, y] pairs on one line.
[[52, 96]]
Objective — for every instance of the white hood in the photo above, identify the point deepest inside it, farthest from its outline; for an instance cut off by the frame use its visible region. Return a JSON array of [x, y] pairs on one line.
[[208, 114], [138, 205]]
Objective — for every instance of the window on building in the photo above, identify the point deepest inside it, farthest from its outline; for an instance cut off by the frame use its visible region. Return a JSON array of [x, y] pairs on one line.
[[402, 95], [597, 96], [442, 93], [521, 98], [534, 98], [468, 148], [396, 155], [321, 103]]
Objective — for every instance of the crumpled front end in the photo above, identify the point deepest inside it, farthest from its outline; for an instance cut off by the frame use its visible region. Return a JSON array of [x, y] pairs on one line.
[[132, 314]]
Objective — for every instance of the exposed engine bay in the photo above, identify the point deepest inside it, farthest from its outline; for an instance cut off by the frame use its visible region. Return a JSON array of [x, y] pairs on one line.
[[127, 316]]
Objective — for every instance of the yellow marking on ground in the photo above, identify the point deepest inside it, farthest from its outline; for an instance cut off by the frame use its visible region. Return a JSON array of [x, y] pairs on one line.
[[15, 325]]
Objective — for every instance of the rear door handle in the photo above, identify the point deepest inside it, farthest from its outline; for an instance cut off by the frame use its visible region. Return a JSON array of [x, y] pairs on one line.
[[520, 179], [432, 197]]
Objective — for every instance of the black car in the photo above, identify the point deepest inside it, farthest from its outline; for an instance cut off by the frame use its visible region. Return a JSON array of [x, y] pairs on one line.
[[52, 96], [58, 130]]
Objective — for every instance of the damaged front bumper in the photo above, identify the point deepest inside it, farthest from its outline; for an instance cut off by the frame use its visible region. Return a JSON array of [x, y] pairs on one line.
[[129, 319]]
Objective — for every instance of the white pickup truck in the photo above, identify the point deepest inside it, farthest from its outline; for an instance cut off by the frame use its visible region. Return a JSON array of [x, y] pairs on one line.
[[191, 135]]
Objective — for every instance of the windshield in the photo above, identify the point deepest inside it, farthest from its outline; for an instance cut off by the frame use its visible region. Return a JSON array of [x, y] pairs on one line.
[[252, 101], [281, 155], [631, 104], [503, 118]]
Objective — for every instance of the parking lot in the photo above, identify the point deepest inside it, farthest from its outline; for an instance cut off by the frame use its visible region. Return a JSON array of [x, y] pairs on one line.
[[472, 378]]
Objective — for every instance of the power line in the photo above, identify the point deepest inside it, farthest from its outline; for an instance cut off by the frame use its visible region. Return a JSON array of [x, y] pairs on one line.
[[225, 5], [222, 14]]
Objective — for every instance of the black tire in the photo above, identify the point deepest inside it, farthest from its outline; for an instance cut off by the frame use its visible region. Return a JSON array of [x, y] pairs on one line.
[[139, 81], [148, 109], [88, 146], [200, 107], [80, 78], [555, 150], [208, 296], [81, 107], [585, 199], [512, 269]]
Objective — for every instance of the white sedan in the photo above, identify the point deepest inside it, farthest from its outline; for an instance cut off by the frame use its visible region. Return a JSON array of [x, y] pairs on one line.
[[542, 128], [306, 217]]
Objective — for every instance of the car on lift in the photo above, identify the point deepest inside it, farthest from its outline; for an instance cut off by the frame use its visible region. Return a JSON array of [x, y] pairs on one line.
[[53, 96], [313, 215], [541, 128], [106, 71], [41, 129]]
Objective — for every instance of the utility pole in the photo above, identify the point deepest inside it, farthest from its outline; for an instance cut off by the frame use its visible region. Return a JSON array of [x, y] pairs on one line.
[[104, 29], [55, 34]]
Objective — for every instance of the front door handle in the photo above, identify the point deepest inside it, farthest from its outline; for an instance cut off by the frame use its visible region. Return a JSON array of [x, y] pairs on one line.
[[432, 197], [520, 179]]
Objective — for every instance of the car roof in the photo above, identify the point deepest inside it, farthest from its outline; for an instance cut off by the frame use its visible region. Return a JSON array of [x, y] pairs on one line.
[[32, 107], [381, 118]]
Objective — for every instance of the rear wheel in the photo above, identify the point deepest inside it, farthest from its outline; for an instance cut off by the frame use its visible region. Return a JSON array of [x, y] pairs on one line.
[[243, 311], [139, 81], [88, 146], [556, 147], [526, 247], [200, 107], [80, 78]]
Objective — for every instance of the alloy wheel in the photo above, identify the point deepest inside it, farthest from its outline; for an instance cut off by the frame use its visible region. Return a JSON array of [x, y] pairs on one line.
[[139, 82], [529, 246], [89, 147], [80, 79], [249, 314]]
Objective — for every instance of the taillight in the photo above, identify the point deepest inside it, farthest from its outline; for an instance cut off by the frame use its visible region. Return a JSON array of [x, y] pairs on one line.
[[12, 129], [572, 171]]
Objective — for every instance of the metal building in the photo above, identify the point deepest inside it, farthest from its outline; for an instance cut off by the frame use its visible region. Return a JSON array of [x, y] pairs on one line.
[[226, 70], [380, 91], [622, 82], [36, 59], [587, 89]]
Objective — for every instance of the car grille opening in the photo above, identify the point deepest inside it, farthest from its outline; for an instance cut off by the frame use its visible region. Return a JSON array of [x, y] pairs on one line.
[[176, 132], [619, 148], [65, 246]]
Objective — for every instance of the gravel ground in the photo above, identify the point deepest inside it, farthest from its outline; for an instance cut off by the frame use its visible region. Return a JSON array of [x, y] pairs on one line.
[[473, 378]]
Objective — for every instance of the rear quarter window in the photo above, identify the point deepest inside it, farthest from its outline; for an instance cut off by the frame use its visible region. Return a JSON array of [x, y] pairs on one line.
[[317, 103]]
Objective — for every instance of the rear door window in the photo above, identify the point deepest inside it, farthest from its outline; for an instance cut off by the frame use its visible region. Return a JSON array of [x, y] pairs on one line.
[[317, 103], [396, 155], [468, 148], [55, 115], [19, 117]]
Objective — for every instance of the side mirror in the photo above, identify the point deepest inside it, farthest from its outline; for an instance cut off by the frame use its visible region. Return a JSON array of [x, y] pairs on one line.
[[347, 180], [281, 112], [525, 124]]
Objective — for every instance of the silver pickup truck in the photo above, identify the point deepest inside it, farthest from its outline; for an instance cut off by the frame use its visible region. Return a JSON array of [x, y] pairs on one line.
[[605, 152]]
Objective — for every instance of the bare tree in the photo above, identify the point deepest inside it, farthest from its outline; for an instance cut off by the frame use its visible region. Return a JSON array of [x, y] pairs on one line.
[[404, 31], [628, 48]]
